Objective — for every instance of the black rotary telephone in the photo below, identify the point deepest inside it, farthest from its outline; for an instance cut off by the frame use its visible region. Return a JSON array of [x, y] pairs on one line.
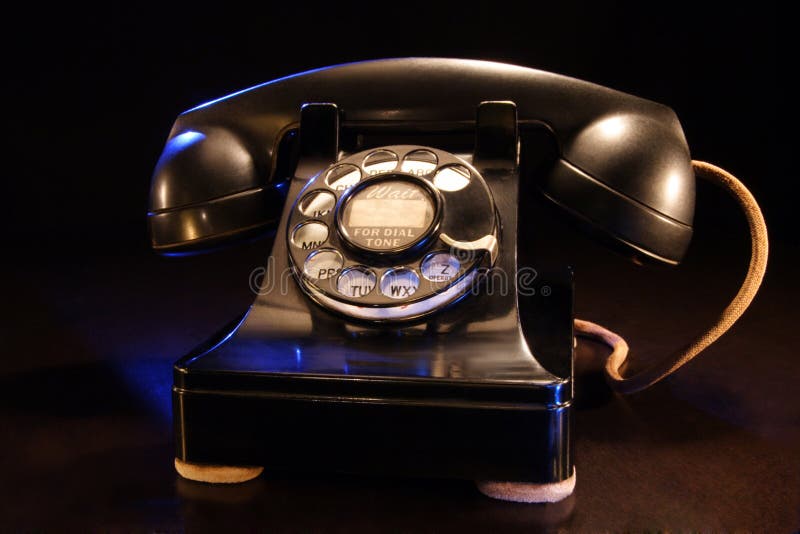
[[393, 330]]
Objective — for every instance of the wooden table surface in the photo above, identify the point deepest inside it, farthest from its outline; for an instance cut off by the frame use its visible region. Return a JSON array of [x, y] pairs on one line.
[[90, 335]]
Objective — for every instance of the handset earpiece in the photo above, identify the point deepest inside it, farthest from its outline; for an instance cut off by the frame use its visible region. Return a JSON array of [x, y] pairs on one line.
[[208, 188], [629, 176]]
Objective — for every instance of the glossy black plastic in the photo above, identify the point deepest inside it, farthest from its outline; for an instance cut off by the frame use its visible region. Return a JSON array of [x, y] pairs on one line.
[[407, 402], [612, 146], [481, 389]]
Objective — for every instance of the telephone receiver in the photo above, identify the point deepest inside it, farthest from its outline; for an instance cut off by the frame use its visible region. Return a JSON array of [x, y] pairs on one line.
[[407, 338], [623, 166]]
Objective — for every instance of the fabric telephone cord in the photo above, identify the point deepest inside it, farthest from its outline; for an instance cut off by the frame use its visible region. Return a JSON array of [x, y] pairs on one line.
[[759, 252]]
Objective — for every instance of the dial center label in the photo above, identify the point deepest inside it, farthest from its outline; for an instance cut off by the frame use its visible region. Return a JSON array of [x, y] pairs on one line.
[[388, 215]]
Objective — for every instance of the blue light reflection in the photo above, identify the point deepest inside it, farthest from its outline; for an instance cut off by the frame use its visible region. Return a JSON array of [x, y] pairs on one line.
[[151, 379], [221, 341], [184, 139], [289, 77]]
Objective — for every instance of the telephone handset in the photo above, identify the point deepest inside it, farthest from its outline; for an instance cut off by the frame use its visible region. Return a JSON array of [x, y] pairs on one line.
[[393, 188], [624, 164]]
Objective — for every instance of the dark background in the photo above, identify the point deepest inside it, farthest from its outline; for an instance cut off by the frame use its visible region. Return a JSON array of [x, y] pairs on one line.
[[94, 319]]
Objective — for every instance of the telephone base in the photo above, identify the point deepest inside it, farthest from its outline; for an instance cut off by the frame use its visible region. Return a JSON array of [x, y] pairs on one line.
[[472, 404], [419, 428]]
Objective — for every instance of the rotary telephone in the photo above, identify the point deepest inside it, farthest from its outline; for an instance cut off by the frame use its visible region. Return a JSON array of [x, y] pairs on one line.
[[393, 330]]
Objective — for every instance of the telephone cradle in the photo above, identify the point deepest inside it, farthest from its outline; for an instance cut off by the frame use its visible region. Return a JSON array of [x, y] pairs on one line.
[[396, 329]]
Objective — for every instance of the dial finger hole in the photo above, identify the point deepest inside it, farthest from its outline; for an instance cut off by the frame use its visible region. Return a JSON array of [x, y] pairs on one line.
[[440, 267], [399, 283], [343, 177], [452, 178], [322, 264], [380, 161], [419, 162], [310, 235], [317, 204], [356, 282]]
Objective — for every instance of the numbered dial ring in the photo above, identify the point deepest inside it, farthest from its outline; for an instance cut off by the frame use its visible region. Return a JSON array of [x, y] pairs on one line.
[[392, 233]]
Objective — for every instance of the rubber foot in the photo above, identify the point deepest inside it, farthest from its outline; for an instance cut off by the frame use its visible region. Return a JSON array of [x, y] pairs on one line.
[[527, 492], [216, 474]]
